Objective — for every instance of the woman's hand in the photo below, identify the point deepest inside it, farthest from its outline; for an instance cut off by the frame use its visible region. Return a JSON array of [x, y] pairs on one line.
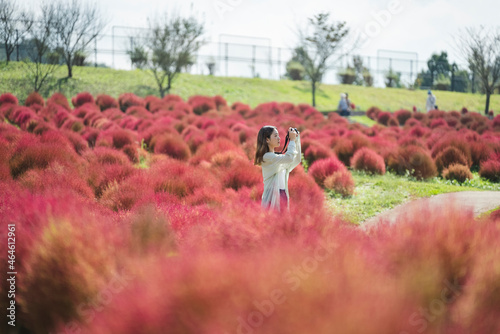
[[291, 133]]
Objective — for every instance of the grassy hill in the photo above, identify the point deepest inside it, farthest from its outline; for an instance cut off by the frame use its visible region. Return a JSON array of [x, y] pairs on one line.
[[250, 91]]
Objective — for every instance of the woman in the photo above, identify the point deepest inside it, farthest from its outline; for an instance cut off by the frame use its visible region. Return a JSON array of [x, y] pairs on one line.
[[276, 167]]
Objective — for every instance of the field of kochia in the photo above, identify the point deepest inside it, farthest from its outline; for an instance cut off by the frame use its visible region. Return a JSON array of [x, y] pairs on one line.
[[143, 215]]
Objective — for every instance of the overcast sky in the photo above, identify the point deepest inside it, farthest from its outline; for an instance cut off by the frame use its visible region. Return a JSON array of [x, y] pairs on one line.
[[423, 26]]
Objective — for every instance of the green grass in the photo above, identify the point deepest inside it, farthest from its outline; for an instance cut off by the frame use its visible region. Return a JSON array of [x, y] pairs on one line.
[[365, 120], [375, 194], [250, 91]]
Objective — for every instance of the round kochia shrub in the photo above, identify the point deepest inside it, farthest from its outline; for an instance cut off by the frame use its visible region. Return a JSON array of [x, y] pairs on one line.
[[317, 151], [369, 161], [323, 168], [104, 102], [79, 252], [448, 157], [34, 98], [8, 98], [341, 182], [402, 116], [82, 98], [384, 117], [373, 113], [490, 170], [171, 145], [344, 149], [457, 172], [414, 160], [128, 99], [201, 104], [30, 154]]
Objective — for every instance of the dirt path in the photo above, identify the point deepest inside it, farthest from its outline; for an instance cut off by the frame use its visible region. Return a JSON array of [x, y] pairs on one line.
[[477, 201]]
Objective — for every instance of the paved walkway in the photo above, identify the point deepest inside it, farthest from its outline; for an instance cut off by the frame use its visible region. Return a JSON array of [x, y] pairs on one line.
[[477, 201]]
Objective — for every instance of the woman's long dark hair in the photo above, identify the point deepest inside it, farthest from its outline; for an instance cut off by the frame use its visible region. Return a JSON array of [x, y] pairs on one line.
[[262, 148]]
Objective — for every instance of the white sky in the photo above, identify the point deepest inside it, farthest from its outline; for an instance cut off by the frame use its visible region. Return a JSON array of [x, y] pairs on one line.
[[423, 26]]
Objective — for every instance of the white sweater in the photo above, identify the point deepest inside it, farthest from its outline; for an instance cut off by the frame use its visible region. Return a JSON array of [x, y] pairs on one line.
[[272, 164]]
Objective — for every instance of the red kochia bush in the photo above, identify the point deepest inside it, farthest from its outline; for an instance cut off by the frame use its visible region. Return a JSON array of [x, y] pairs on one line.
[[392, 121], [104, 102], [242, 174], [448, 157], [457, 172], [30, 153], [402, 116], [317, 151], [122, 138], [437, 122], [241, 108], [369, 161], [34, 98], [323, 168], [480, 151], [208, 149], [340, 182], [8, 98], [454, 140], [132, 152], [344, 149], [373, 112], [60, 100], [384, 117], [201, 104], [490, 170], [82, 98], [109, 156], [127, 100], [80, 249], [219, 102], [171, 145], [413, 159]]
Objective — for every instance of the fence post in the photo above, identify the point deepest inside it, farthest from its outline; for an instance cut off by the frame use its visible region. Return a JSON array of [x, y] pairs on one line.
[[17, 45], [113, 45], [279, 63], [253, 61], [411, 71], [226, 51], [95, 52]]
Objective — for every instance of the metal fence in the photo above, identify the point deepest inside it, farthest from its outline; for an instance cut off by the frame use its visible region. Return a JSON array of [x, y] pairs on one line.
[[245, 59]]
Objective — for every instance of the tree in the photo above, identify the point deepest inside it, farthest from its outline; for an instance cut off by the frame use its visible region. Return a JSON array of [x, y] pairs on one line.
[[357, 74], [393, 79], [294, 69], [42, 61], [76, 26], [138, 57], [15, 24], [172, 43], [481, 48], [438, 64], [317, 47]]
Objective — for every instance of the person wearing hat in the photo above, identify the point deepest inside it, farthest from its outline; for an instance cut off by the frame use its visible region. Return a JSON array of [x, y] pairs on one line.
[[431, 101]]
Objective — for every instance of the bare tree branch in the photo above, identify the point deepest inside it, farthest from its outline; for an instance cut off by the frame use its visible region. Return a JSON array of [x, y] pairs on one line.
[[317, 47], [15, 24], [481, 49], [76, 26], [42, 61], [172, 43]]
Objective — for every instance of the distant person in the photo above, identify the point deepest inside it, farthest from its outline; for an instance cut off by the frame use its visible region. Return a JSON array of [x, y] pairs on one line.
[[431, 101], [343, 108]]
